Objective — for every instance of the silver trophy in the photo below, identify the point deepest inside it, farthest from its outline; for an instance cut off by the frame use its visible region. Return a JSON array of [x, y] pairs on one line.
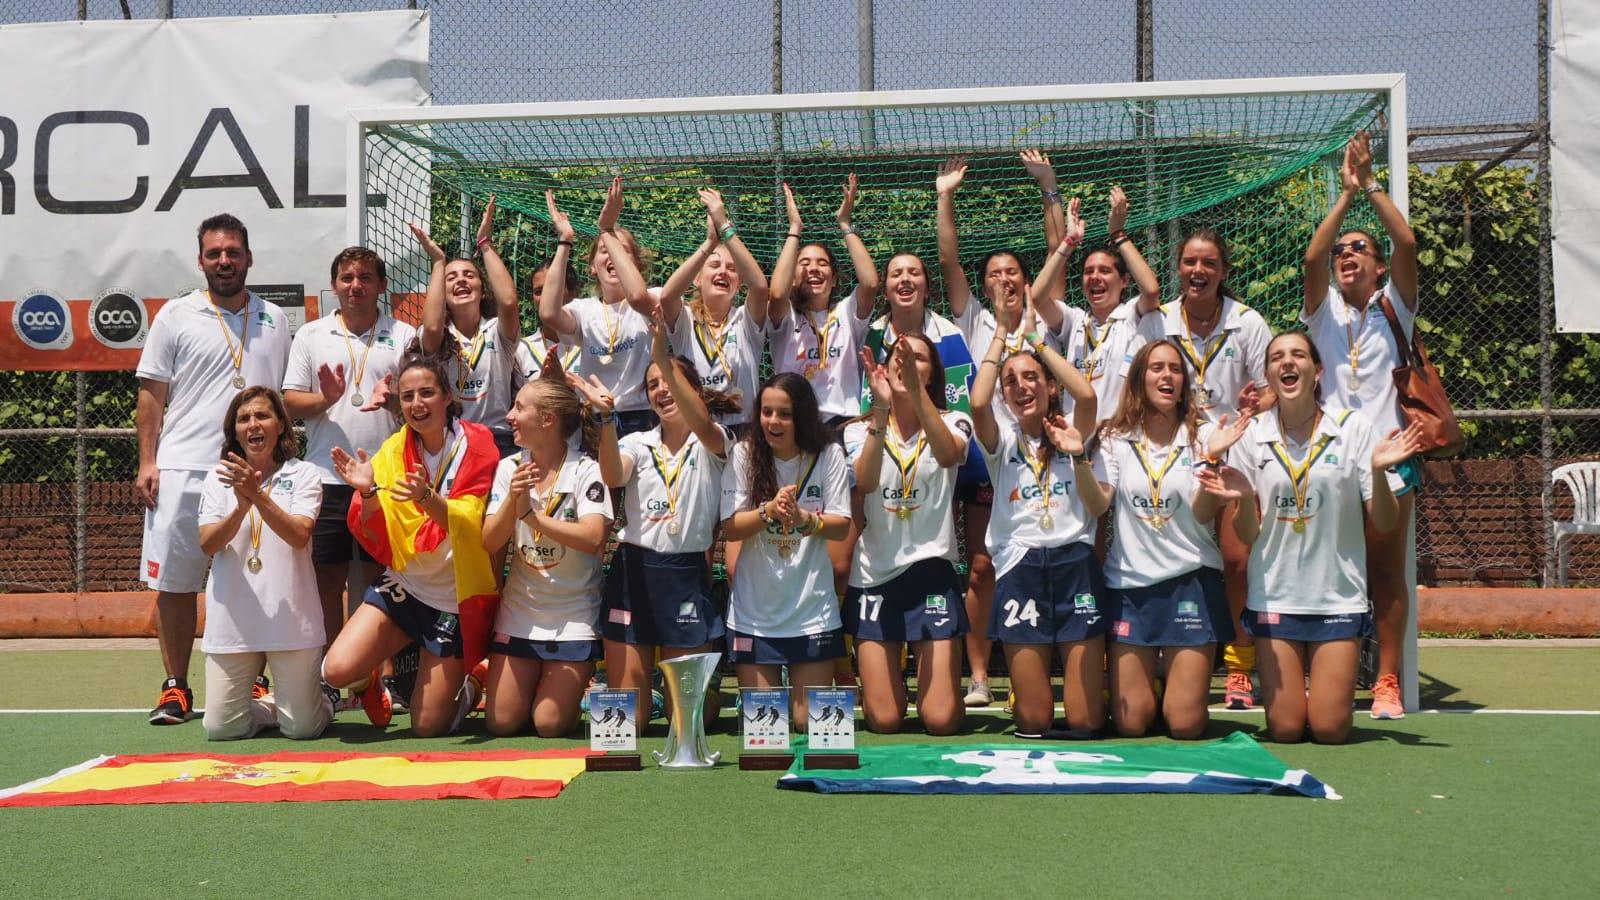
[[687, 678]]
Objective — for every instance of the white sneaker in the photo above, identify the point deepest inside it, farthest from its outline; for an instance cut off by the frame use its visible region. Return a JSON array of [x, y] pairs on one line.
[[979, 695]]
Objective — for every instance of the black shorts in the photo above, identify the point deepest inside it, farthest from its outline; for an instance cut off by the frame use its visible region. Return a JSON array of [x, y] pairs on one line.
[[659, 599], [776, 651], [549, 651], [1188, 610], [923, 603], [438, 632], [1054, 595], [332, 542], [976, 493]]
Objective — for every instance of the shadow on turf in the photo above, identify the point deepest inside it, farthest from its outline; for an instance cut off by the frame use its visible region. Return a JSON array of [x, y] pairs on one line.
[[1437, 694]]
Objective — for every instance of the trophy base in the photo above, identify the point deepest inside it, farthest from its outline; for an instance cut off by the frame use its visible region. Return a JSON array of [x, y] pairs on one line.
[[832, 761], [765, 762], [613, 762]]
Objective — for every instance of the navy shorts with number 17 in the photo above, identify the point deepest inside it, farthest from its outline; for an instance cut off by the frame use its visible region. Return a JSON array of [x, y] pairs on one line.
[[924, 603]]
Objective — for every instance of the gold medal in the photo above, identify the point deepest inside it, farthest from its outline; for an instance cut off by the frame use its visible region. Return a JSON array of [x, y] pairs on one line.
[[238, 382], [236, 352], [786, 550], [1046, 521], [253, 564], [605, 359], [528, 555], [673, 527], [1158, 521], [1299, 474], [358, 401], [905, 465], [810, 371], [1299, 525], [1144, 452], [904, 513]]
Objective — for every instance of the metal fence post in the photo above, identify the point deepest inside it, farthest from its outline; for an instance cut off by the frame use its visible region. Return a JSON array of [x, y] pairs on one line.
[[1546, 303], [80, 489]]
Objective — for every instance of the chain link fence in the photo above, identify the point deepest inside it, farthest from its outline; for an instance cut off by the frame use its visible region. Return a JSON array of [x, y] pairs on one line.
[[1479, 202]]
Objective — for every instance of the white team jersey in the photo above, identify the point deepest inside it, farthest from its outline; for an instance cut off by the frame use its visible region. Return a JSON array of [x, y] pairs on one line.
[[275, 608], [1236, 350], [978, 326], [431, 576], [326, 342], [1021, 498], [1321, 570], [482, 370], [727, 358], [553, 591], [890, 544], [1335, 328], [1103, 352], [615, 340], [780, 592], [837, 382], [1155, 538], [188, 350], [693, 499]]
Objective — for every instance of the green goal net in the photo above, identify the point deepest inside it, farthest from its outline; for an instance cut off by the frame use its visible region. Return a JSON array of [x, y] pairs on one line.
[[1255, 160]]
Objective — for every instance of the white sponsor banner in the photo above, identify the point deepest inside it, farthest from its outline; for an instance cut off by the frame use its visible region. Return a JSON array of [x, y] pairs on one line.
[[118, 138], [1575, 164]]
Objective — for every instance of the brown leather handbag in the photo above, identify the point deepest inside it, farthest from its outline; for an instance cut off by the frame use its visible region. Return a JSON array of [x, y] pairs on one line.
[[1422, 398]]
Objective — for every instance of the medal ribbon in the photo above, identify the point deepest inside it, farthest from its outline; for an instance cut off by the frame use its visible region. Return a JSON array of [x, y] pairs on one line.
[[469, 359], [372, 335], [1039, 467], [255, 533], [906, 465], [1186, 344], [1143, 453], [613, 324], [670, 476], [1354, 338], [571, 358], [1092, 364], [236, 352], [1299, 474], [712, 342], [550, 507], [823, 335], [444, 465]]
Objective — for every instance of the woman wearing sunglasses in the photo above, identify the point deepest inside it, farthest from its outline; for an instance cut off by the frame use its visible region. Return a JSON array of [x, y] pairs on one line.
[[1347, 278]]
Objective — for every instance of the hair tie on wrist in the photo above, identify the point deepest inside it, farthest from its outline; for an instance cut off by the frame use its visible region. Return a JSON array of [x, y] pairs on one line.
[[727, 233]]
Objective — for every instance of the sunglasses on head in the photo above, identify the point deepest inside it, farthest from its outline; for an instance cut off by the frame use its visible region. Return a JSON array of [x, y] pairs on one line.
[[1355, 246]]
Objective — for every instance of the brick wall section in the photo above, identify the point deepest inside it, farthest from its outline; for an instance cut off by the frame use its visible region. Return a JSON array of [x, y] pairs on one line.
[[1479, 518]]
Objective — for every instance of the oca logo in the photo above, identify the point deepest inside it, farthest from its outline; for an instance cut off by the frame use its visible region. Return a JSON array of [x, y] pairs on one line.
[[42, 321], [117, 319]]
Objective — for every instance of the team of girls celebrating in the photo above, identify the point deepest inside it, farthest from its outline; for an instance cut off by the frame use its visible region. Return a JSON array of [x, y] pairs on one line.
[[1140, 487]]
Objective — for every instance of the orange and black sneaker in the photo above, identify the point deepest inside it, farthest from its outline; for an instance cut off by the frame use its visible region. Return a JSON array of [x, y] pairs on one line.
[[261, 688], [176, 705], [1239, 693], [480, 678], [375, 701]]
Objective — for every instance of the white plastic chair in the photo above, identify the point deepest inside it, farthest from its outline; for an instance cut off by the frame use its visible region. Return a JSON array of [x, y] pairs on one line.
[[1583, 480]]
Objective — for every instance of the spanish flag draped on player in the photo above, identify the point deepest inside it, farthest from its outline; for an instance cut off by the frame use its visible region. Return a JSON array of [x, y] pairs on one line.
[[408, 530]]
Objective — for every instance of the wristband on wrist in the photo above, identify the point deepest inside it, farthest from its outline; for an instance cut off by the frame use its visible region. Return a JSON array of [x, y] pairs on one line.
[[369, 494], [848, 229], [1372, 187], [563, 243], [727, 233], [762, 512], [1119, 237], [1050, 196], [792, 234], [483, 240]]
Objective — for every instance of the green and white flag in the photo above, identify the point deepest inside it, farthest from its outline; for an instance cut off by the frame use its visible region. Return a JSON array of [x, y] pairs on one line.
[[1234, 765]]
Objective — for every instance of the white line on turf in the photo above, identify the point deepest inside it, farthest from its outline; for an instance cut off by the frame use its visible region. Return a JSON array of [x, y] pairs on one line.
[[982, 711]]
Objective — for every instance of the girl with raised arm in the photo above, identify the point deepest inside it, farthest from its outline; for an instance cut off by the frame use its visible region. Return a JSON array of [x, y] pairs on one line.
[[418, 509], [1049, 592], [1163, 568], [470, 316], [256, 514], [1301, 488], [723, 341], [785, 494], [613, 329], [1224, 344], [657, 594], [1347, 317], [550, 503], [1007, 285], [903, 586]]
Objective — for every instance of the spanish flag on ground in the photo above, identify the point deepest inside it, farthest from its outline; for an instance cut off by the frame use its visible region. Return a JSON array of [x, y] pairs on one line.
[[409, 531], [299, 777]]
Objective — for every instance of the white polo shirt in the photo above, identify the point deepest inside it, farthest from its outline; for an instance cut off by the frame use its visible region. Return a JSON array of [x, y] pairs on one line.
[[1143, 553], [1020, 500], [794, 342], [728, 359], [1103, 352], [616, 347], [188, 350], [327, 342], [890, 544], [553, 591], [1237, 350], [1335, 328], [530, 354], [693, 501], [1322, 570], [276, 608], [482, 370], [780, 596]]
